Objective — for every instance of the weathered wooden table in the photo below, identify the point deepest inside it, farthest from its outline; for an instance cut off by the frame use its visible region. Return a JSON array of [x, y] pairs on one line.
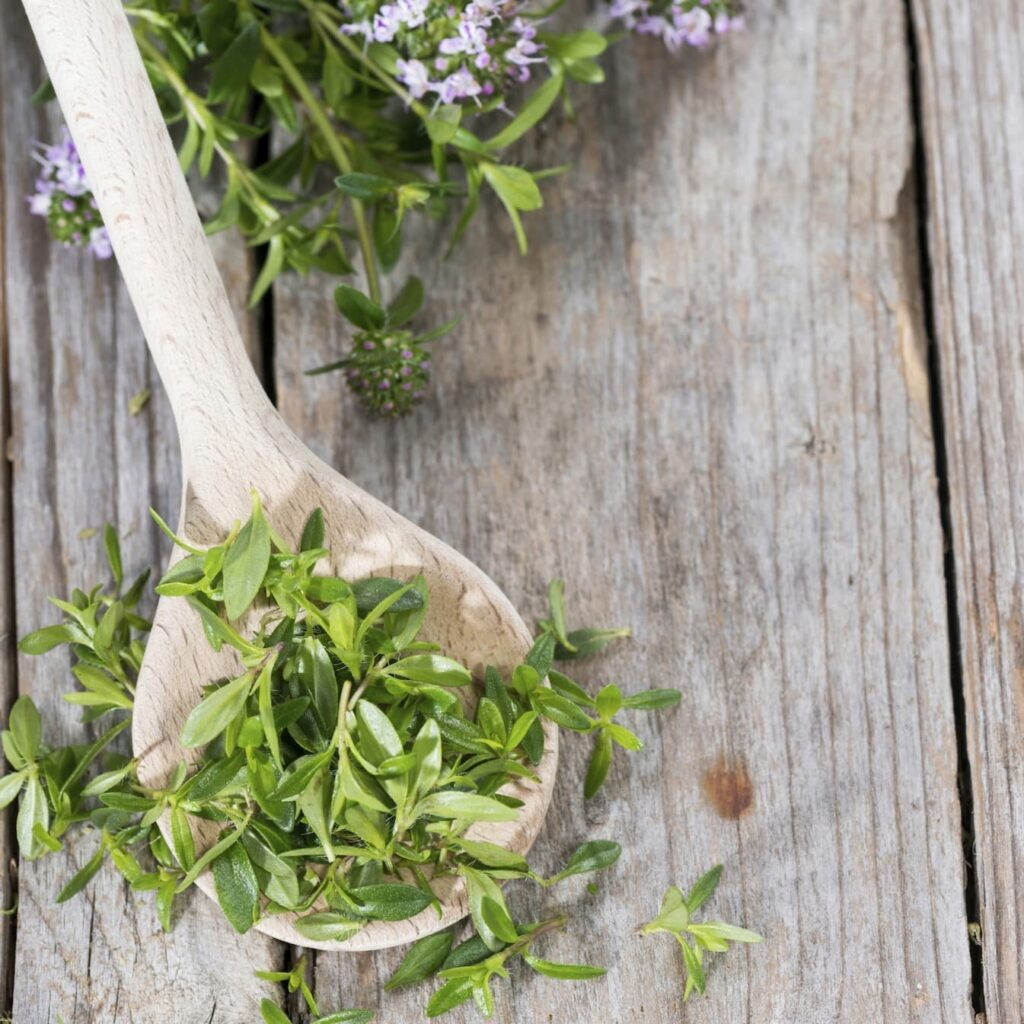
[[758, 391]]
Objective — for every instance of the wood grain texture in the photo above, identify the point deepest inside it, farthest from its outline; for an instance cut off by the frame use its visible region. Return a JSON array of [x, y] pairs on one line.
[[971, 68], [8, 654], [703, 399], [76, 358]]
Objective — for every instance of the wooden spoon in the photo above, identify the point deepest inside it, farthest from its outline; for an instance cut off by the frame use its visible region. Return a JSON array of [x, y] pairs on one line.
[[232, 438]]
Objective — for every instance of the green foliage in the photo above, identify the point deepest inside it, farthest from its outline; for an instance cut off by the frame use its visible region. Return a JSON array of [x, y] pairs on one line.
[[469, 975], [339, 762], [365, 154], [675, 917]]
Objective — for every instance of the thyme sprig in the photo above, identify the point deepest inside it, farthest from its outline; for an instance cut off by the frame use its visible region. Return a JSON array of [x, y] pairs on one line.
[[371, 111]]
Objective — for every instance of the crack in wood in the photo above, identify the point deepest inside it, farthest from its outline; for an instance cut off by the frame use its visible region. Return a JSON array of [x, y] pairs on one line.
[[938, 422]]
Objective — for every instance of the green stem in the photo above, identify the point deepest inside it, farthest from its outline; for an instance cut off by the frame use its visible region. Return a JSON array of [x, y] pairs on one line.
[[319, 117], [325, 17], [199, 113], [524, 943]]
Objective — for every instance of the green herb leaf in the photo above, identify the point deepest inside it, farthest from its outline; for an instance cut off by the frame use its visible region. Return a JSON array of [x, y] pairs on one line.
[[246, 563], [327, 926], [422, 961], [492, 855], [10, 786], [431, 668], [529, 114], [452, 993], [407, 303], [564, 972], [81, 878], [600, 762], [113, 548], [34, 811], [313, 532], [464, 807], [704, 888], [231, 71], [652, 700], [346, 1017], [272, 1013], [26, 727], [237, 888], [595, 855], [358, 309], [394, 901], [372, 592], [588, 642], [45, 639], [212, 715]]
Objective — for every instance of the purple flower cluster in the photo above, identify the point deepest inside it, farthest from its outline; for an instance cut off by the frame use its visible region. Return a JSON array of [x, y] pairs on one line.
[[63, 197], [388, 371], [455, 50], [679, 22]]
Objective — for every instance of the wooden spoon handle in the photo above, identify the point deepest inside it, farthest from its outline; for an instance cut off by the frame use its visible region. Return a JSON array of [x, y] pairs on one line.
[[114, 119]]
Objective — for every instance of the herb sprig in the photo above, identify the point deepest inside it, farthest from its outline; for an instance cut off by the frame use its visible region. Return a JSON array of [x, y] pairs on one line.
[[376, 110], [675, 917]]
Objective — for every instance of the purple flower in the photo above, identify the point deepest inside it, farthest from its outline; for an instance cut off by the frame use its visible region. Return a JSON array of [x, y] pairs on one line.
[[99, 243], [386, 23], [414, 76], [63, 197], [454, 52], [458, 86], [679, 22]]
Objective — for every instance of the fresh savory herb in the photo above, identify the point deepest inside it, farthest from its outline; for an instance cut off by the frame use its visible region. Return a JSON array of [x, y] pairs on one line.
[[295, 981], [383, 111], [339, 764], [675, 916]]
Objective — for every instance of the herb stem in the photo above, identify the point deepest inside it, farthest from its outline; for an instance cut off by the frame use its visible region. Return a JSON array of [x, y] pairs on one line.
[[525, 941], [334, 146], [199, 114]]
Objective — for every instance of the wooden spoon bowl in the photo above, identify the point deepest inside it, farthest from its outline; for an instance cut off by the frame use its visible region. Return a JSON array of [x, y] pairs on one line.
[[234, 441]]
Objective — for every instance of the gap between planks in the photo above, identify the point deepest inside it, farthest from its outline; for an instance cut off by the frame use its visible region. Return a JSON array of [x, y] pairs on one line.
[[938, 418]]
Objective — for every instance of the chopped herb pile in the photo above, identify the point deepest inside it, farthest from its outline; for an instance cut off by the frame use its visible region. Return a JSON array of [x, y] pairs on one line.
[[340, 767]]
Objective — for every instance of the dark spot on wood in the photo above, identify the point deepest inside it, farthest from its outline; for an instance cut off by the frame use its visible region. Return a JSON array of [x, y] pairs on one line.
[[728, 788]]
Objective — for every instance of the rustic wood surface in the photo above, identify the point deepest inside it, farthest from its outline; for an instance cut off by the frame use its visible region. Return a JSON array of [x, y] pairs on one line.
[[706, 400], [973, 106], [234, 442], [79, 459]]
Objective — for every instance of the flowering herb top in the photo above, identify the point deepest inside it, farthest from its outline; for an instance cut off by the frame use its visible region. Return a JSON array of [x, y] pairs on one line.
[[679, 23], [396, 108], [63, 197], [454, 51]]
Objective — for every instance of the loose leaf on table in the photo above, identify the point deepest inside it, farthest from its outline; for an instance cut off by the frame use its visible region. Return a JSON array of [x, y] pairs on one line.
[[564, 972], [595, 855], [422, 961]]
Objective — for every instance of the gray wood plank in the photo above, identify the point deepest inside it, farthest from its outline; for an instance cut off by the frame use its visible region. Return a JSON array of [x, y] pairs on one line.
[[80, 458], [972, 65], [703, 399], [8, 683]]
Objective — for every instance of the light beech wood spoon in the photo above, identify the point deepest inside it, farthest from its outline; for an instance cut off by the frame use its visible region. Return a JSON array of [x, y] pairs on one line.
[[232, 438]]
